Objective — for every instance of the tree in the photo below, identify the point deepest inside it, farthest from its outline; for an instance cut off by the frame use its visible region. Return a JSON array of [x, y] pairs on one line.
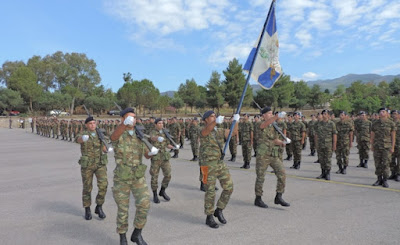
[[97, 104], [189, 93], [49, 101], [301, 95], [43, 69], [315, 96], [177, 102], [234, 84], [8, 69], [370, 104], [340, 91], [10, 98], [163, 103], [24, 80], [341, 104], [394, 87], [215, 98]]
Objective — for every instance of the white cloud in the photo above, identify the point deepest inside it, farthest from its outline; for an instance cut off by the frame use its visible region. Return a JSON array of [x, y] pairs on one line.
[[390, 68], [309, 76], [238, 50]]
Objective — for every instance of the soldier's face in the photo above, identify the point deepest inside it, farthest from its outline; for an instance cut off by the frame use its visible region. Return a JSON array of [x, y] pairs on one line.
[[210, 119], [383, 114], [342, 116], [267, 115], [160, 125], [91, 126]]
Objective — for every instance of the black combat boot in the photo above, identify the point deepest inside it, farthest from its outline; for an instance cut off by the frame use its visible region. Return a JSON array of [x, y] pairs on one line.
[[88, 213], [322, 176], [211, 222], [344, 170], [317, 161], [378, 182], [195, 158], [122, 239], [219, 215], [155, 197], [279, 200], [164, 194], [233, 158], [137, 237], [259, 202], [294, 164], [328, 174], [297, 165], [365, 164], [175, 155], [192, 159], [312, 152], [202, 187], [361, 165], [392, 176], [340, 169], [397, 178], [99, 211], [246, 165], [289, 157], [385, 183]]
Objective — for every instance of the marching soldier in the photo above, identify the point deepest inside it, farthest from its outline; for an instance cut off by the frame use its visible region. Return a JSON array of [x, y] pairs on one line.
[[395, 163], [194, 138], [303, 120], [297, 135], [363, 139], [175, 131], [311, 134], [256, 126], [344, 128], [247, 140], [233, 143], [289, 147]]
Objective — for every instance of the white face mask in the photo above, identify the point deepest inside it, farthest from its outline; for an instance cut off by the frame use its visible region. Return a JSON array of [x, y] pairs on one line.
[[93, 134], [130, 132]]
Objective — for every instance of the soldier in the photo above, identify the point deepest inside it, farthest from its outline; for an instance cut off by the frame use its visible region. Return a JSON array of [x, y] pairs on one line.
[[175, 131], [363, 139], [183, 132], [297, 135], [194, 138], [93, 162], [129, 176], [325, 139], [311, 133], [160, 161], [213, 167], [247, 140], [256, 126], [383, 137], [289, 147], [303, 120], [233, 143], [270, 149], [395, 163], [344, 128]]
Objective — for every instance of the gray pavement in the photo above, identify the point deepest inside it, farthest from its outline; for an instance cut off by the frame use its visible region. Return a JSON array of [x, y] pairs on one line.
[[40, 193]]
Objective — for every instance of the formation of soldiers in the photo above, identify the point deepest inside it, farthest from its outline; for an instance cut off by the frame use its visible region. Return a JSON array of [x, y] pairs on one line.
[[379, 132]]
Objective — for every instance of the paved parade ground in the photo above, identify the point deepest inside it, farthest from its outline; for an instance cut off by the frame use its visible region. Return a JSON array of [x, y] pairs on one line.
[[40, 193]]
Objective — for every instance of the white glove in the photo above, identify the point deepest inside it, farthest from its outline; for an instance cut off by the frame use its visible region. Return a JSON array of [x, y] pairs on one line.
[[236, 117], [287, 141], [153, 151], [220, 119], [85, 138], [160, 139], [110, 149], [177, 147], [129, 120], [282, 114]]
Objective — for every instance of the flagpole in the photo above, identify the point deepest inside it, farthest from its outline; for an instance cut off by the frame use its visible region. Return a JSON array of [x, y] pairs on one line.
[[247, 81]]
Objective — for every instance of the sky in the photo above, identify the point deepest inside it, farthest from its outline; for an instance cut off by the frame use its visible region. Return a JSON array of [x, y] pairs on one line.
[[170, 41]]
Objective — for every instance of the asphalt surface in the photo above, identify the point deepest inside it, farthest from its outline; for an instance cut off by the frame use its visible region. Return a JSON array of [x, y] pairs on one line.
[[40, 198]]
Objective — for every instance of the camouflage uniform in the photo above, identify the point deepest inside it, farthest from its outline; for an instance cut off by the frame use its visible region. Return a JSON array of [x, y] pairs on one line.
[[183, 131], [247, 131], [213, 168], [129, 176], [363, 138], [395, 163], [324, 134], [93, 161], [233, 143], [269, 154], [382, 144], [194, 139], [344, 128], [289, 147], [175, 130], [297, 129], [161, 160], [311, 134]]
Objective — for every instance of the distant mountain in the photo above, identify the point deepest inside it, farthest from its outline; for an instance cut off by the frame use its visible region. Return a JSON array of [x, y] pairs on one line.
[[347, 80], [169, 93]]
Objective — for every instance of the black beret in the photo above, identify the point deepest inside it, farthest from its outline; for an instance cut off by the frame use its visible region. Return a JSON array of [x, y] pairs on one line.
[[324, 111], [342, 112], [195, 118], [382, 109], [126, 110], [362, 113], [394, 111], [157, 120], [207, 114], [89, 119], [297, 113], [265, 110]]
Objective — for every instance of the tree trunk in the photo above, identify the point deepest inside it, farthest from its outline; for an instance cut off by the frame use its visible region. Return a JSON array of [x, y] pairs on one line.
[[72, 106]]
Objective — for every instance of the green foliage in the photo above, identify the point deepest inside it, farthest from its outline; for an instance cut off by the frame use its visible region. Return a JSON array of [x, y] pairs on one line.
[[7, 69], [97, 104], [301, 95], [215, 98], [57, 100], [394, 87], [370, 104], [177, 102], [10, 99], [315, 97], [341, 104], [189, 93]]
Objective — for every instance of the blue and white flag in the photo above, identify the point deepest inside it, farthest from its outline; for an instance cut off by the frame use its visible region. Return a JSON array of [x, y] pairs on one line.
[[266, 69]]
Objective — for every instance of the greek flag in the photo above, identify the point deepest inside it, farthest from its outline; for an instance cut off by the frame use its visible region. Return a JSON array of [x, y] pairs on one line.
[[266, 69]]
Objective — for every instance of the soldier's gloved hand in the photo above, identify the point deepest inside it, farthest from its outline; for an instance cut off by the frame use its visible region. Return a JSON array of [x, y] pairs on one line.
[[160, 139], [287, 141], [177, 147], [220, 119], [282, 114], [110, 149], [153, 151], [236, 117], [129, 120], [85, 138]]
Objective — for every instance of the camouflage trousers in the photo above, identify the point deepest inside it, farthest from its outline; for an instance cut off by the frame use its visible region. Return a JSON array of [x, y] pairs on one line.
[[382, 159], [255, 147], [289, 149], [305, 143], [363, 149], [87, 181], [155, 167], [312, 143], [297, 147], [182, 139], [342, 155], [211, 173], [325, 157], [262, 163], [395, 163], [121, 192], [246, 150], [233, 146], [195, 147]]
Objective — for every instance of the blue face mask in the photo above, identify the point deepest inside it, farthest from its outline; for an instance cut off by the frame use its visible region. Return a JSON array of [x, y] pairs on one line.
[[130, 132], [93, 134]]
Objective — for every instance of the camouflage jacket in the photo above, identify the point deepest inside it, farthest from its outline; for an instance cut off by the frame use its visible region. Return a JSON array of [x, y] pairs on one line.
[[162, 146], [296, 130], [344, 128], [247, 129], [325, 131], [91, 150], [383, 130], [211, 146]]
